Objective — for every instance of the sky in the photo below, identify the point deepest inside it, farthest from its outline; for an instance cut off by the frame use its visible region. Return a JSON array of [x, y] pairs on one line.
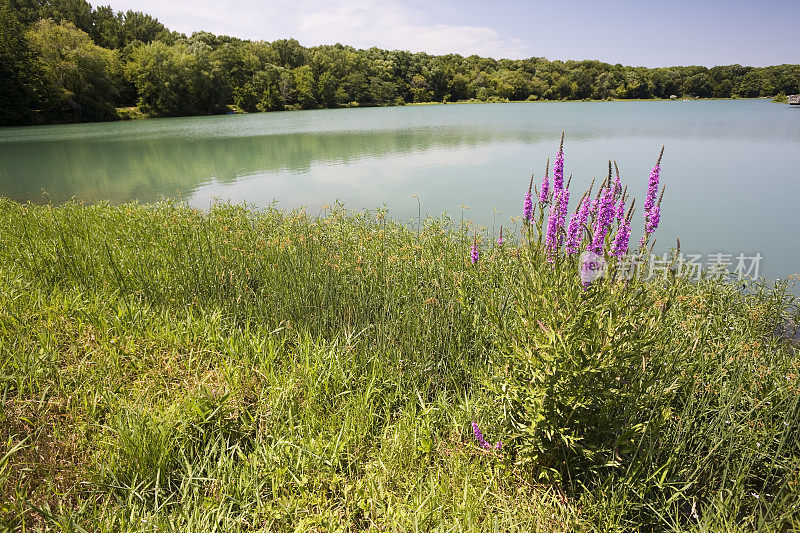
[[639, 33]]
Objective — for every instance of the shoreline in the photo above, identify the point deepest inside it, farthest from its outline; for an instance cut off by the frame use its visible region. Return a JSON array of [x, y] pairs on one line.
[[134, 114]]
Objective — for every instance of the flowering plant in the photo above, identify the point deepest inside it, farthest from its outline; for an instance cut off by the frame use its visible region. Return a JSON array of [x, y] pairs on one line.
[[574, 398]]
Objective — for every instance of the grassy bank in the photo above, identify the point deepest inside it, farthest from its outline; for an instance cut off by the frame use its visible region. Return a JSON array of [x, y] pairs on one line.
[[239, 369]]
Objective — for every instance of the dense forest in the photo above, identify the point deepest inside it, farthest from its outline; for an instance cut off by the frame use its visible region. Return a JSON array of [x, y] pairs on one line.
[[65, 61]]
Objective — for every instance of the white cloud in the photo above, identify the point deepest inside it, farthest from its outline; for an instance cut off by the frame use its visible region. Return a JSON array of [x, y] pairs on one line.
[[388, 24]]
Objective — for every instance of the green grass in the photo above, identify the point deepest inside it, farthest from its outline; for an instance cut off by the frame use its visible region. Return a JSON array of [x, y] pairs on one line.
[[164, 368]]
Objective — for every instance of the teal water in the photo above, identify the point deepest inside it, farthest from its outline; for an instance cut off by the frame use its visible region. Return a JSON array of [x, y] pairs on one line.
[[732, 168]]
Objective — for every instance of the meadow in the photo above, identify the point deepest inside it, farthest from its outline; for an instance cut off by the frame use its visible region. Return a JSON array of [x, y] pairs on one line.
[[240, 369]]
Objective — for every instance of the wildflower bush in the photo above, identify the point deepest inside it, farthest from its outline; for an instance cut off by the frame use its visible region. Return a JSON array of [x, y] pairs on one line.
[[598, 375], [243, 369], [580, 385]]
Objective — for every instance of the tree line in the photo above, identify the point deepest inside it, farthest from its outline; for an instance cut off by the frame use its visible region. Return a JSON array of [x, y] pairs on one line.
[[65, 61]]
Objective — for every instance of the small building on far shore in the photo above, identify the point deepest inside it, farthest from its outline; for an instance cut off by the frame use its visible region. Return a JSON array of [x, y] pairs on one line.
[[794, 99], [673, 97]]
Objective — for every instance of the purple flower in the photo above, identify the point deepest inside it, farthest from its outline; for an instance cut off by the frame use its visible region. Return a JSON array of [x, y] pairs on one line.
[[652, 190], [558, 169], [605, 215], [575, 231], [652, 208], [545, 189], [555, 223], [652, 221], [474, 254], [563, 202], [476, 431], [479, 436], [527, 208], [550, 235], [500, 239], [620, 210], [620, 245], [606, 209]]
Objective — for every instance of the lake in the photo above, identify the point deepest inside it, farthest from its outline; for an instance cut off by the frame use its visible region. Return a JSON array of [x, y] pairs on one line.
[[732, 167]]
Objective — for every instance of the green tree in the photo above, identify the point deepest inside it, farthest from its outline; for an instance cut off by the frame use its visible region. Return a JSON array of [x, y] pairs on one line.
[[15, 69], [750, 85], [138, 26], [268, 83], [459, 87], [326, 89], [698, 85], [76, 80], [420, 90], [288, 53], [305, 86], [108, 31], [76, 12], [238, 61], [177, 80]]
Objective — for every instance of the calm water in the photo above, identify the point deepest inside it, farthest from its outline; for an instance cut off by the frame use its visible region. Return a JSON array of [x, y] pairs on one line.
[[732, 168]]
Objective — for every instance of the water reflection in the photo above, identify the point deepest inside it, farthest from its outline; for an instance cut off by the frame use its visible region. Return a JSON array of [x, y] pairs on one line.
[[146, 169]]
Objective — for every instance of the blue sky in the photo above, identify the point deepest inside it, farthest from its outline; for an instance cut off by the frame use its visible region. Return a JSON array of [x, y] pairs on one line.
[[678, 32]]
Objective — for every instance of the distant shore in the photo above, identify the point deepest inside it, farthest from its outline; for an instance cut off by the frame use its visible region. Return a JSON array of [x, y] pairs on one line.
[[134, 113]]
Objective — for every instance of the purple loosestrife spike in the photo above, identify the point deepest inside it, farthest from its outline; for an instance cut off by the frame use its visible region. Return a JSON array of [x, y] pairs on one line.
[[500, 239], [606, 208], [652, 208], [652, 190], [621, 206], [545, 189], [585, 210], [550, 235], [555, 224], [563, 202], [474, 254], [476, 431], [655, 217], [558, 168], [652, 187], [527, 206], [617, 180], [620, 210], [651, 225], [575, 231], [620, 245], [605, 214]]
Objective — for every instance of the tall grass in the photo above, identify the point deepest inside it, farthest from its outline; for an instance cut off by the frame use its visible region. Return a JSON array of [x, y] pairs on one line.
[[242, 369]]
